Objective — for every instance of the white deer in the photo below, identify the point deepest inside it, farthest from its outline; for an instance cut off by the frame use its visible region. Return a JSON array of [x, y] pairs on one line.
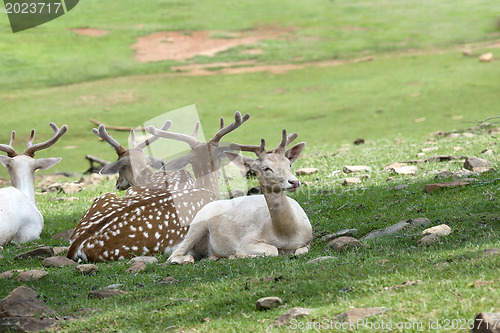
[[255, 225], [20, 220], [132, 164], [149, 220]]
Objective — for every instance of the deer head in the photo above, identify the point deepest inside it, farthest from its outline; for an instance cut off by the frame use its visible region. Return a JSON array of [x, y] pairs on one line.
[[22, 167], [205, 158], [132, 164], [272, 167]]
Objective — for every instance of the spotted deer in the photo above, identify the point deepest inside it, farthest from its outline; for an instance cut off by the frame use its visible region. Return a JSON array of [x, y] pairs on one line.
[[148, 220], [255, 225], [20, 220], [132, 164]]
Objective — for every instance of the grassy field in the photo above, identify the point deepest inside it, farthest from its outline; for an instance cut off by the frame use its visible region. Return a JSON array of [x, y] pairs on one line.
[[418, 82]]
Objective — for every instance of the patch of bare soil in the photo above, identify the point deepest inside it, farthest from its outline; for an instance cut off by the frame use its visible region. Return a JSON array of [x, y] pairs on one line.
[[178, 45], [90, 32]]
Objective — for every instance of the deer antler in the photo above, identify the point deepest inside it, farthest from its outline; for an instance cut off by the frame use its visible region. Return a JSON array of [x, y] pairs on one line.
[[189, 139], [141, 145], [238, 120], [261, 150], [9, 149], [33, 148], [101, 132]]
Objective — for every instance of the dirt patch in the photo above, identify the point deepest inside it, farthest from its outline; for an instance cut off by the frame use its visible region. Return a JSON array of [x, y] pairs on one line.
[[90, 32], [178, 45]]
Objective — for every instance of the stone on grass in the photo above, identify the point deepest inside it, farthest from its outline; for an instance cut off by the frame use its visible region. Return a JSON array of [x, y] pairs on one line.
[[344, 243], [487, 322], [266, 303], [26, 324], [144, 259], [306, 171], [70, 188], [439, 230], [406, 170], [356, 168], [8, 274], [486, 57], [136, 267], [31, 275], [351, 181], [391, 166], [479, 165], [319, 259], [63, 235], [58, 261], [395, 228], [58, 250], [492, 252], [87, 269], [343, 232], [443, 174], [41, 252], [353, 315], [169, 280], [400, 187], [285, 318], [23, 302], [428, 239], [433, 187], [429, 149], [106, 293]]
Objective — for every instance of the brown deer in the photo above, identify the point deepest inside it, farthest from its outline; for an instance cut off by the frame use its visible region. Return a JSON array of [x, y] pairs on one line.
[[132, 165], [20, 220], [149, 220], [255, 225]]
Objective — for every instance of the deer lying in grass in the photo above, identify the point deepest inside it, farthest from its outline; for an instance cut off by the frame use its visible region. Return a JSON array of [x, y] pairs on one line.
[[132, 165], [148, 220], [20, 220], [255, 225]]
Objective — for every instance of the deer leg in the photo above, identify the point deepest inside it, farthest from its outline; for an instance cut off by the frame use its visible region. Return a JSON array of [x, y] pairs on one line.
[[195, 235], [258, 249]]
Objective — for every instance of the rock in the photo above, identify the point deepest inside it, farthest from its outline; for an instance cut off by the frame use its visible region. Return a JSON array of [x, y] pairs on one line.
[[429, 149], [487, 322], [443, 174], [395, 228], [492, 252], [419, 222], [344, 243], [488, 152], [55, 187], [40, 253], [169, 280], [486, 57], [439, 230], [58, 262], [391, 166], [144, 259], [8, 274], [428, 239], [87, 269], [406, 170], [306, 171], [468, 135], [356, 168], [479, 165], [64, 235], [400, 187], [433, 187], [353, 315], [457, 148], [26, 324], [70, 188], [136, 267], [23, 302], [320, 259], [365, 176], [351, 181], [463, 173], [359, 141], [266, 303], [58, 250], [389, 179], [285, 318], [106, 293], [31, 275], [343, 232]]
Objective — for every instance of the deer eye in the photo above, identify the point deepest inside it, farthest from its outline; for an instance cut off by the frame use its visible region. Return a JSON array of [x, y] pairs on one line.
[[266, 169]]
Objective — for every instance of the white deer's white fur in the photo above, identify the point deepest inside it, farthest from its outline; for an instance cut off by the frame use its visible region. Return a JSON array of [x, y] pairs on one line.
[[20, 220], [256, 225]]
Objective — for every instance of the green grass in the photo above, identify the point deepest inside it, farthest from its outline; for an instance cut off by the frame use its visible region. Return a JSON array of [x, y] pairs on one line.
[[225, 291]]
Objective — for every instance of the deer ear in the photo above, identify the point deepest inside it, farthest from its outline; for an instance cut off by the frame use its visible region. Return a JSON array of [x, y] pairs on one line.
[[293, 153], [242, 162], [114, 167], [155, 163], [179, 163], [5, 160], [45, 163]]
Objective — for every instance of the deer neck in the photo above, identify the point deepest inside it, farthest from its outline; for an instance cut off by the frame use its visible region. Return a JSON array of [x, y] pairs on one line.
[[282, 216], [208, 181], [23, 178]]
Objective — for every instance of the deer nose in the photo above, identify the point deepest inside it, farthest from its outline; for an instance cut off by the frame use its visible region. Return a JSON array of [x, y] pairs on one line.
[[294, 183]]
